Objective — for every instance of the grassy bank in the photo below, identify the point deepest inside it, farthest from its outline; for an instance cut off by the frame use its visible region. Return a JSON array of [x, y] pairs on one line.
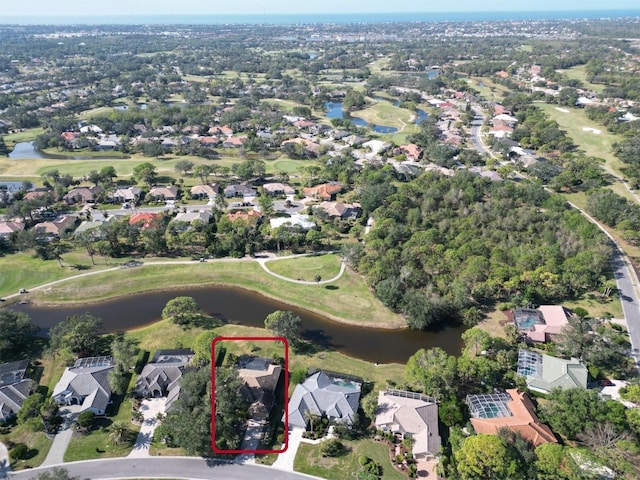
[[306, 268], [347, 300]]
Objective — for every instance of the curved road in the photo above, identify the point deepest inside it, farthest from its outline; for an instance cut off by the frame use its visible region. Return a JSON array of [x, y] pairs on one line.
[[166, 467]]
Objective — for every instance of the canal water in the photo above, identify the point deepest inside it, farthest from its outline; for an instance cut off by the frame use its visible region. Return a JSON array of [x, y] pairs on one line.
[[334, 110], [238, 306], [27, 151]]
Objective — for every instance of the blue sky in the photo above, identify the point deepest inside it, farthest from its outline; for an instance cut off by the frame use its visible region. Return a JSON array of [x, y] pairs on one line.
[[209, 7]]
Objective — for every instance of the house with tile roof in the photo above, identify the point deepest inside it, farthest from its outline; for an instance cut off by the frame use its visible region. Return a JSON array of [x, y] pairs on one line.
[[205, 191], [14, 388], [143, 220], [325, 191], [55, 228], [513, 410], [411, 415], [82, 195], [542, 324], [86, 384], [7, 228], [127, 194], [162, 376], [328, 394], [545, 373], [260, 378], [164, 193], [278, 189], [249, 216], [340, 210]]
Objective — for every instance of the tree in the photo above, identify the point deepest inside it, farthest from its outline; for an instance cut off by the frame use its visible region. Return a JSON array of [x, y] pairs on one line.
[[554, 463], [285, 324], [486, 456], [30, 407], [184, 167], [85, 419], [203, 171], [266, 204], [108, 173], [571, 411], [123, 351], [79, 334], [119, 433], [181, 310], [230, 409], [188, 423], [202, 347], [332, 448], [434, 371], [145, 172], [56, 473], [17, 335]]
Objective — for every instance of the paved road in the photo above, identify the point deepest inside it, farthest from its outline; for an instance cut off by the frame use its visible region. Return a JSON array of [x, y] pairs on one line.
[[167, 467], [477, 142]]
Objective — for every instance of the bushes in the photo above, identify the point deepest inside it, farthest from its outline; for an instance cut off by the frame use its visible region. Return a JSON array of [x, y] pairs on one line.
[[19, 452], [332, 448]]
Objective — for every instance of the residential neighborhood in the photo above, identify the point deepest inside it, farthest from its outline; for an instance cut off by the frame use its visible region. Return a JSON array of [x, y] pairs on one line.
[[396, 246]]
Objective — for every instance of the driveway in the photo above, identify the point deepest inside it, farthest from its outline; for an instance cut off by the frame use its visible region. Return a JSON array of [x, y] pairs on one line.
[[63, 437], [5, 464], [285, 459], [150, 408]]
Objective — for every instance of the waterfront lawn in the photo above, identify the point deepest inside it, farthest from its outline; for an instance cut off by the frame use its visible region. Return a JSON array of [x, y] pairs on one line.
[[306, 268], [37, 442], [347, 299], [309, 460], [22, 136]]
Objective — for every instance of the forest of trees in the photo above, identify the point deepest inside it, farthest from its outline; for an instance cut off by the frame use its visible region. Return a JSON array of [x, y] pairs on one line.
[[445, 246]]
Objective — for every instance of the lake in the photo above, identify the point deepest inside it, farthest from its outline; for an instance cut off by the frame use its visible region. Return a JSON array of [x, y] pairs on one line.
[[239, 306], [27, 151]]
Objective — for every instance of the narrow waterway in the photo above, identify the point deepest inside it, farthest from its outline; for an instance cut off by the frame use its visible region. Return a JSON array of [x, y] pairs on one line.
[[243, 307]]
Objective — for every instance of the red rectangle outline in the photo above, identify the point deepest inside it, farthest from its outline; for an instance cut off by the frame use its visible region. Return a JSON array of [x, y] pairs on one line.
[[213, 394]]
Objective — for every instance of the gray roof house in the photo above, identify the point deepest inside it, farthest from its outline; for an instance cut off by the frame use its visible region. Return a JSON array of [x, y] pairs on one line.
[[86, 384], [333, 395], [161, 377], [14, 388], [413, 415], [544, 372]]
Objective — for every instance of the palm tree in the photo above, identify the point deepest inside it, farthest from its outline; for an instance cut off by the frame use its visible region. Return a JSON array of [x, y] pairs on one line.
[[308, 417], [118, 433]]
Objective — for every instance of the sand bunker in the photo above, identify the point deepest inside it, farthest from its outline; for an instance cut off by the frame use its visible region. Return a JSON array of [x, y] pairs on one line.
[[563, 110], [592, 130]]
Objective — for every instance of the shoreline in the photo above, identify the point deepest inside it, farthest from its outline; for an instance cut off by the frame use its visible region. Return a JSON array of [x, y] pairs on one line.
[[112, 297]]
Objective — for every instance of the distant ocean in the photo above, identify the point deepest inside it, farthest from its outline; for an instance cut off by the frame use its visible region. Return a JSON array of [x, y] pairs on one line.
[[334, 18]]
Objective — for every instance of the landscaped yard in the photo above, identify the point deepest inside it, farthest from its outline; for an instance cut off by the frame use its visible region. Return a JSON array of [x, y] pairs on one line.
[[309, 460], [579, 72], [37, 442]]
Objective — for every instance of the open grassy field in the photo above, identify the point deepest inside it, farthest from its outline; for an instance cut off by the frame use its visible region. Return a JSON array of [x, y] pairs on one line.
[[579, 72], [23, 270], [488, 88], [31, 169], [385, 113], [348, 300], [309, 460], [306, 268], [594, 144]]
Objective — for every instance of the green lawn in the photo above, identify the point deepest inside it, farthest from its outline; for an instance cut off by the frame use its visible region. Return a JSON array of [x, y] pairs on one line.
[[22, 136], [309, 460], [36, 441], [385, 113], [306, 268], [349, 300], [579, 73], [23, 270], [593, 144]]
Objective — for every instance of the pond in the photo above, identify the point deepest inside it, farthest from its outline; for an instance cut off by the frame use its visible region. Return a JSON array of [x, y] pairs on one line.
[[243, 307], [27, 151], [334, 110]]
